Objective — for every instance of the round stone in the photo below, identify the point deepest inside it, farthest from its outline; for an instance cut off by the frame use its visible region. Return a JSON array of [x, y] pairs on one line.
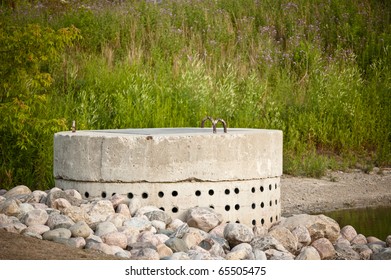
[[57, 233], [35, 217], [81, 229], [18, 190]]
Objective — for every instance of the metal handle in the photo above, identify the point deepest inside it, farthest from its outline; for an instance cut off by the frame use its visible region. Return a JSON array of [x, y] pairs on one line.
[[214, 123]]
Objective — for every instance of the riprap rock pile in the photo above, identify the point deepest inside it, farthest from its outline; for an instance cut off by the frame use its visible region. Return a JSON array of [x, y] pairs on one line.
[[122, 227]]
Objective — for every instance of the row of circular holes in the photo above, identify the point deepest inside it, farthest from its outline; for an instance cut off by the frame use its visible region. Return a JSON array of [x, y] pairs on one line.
[[228, 208], [197, 193], [175, 209], [253, 206], [254, 222]]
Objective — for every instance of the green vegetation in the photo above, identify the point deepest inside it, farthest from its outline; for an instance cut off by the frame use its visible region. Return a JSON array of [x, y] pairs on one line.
[[318, 70]]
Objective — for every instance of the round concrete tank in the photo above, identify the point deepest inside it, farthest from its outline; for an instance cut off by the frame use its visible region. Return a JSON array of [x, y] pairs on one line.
[[236, 173]]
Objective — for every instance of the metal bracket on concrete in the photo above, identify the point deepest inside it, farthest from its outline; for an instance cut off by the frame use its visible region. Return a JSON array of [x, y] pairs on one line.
[[73, 126], [214, 123]]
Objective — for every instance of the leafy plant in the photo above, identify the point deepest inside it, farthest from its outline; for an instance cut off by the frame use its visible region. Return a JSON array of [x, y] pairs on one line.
[[26, 53]]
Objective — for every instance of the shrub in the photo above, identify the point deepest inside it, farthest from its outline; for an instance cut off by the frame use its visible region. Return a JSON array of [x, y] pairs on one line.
[[26, 127]]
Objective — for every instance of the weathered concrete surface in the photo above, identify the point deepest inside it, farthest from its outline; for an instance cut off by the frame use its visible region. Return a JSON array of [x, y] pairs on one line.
[[236, 173], [167, 155]]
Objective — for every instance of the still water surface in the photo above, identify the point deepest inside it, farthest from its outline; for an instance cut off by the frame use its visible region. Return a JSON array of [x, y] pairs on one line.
[[367, 221]]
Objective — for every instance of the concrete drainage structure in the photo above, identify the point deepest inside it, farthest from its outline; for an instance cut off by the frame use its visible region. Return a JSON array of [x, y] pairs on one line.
[[236, 173]]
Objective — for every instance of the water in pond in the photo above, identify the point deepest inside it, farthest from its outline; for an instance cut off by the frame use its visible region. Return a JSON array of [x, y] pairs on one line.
[[367, 221]]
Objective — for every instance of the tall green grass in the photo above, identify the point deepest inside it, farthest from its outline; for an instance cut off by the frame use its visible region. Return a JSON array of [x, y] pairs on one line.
[[317, 70]]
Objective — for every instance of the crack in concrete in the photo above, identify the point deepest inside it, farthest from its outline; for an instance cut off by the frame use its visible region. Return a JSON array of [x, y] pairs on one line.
[[188, 180]]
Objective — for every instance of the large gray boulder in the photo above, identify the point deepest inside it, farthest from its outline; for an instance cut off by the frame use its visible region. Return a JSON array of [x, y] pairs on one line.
[[286, 238], [10, 207], [349, 232], [345, 252], [81, 229], [138, 223], [56, 220], [325, 249], [51, 235], [176, 245], [16, 191], [55, 194], [159, 215], [238, 233], [98, 212], [308, 253], [319, 226], [266, 242], [203, 218], [384, 254], [115, 238], [35, 217], [105, 228]]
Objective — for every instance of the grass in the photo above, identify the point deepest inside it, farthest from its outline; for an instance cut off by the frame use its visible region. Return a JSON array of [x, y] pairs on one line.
[[317, 70]]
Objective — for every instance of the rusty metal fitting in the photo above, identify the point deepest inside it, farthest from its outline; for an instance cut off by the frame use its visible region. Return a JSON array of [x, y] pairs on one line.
[[214, 123], [73, 126], [224, 124]]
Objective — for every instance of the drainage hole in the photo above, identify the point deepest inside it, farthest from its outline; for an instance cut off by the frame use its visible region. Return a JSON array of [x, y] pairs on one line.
[[275, 186], [237, 221], [271, 219], [86, 194], [261, 188], [236, 190], [211, 207], [270, 187], [113, 194], [174, 210], [130, 195], [160, 194], [144, 195], [103, 194], [254, 222], [270, 203], [237, 207], [198, 193], [275, 202], [174, 193], [276, 218], [211, 192], [227, 207], [262, 221], [253, 190], [262, 205], [162, 208], [226, 191], [253, 206]]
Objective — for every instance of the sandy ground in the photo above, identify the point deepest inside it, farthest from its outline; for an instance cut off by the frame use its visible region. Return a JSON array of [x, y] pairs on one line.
[[337, 190]]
